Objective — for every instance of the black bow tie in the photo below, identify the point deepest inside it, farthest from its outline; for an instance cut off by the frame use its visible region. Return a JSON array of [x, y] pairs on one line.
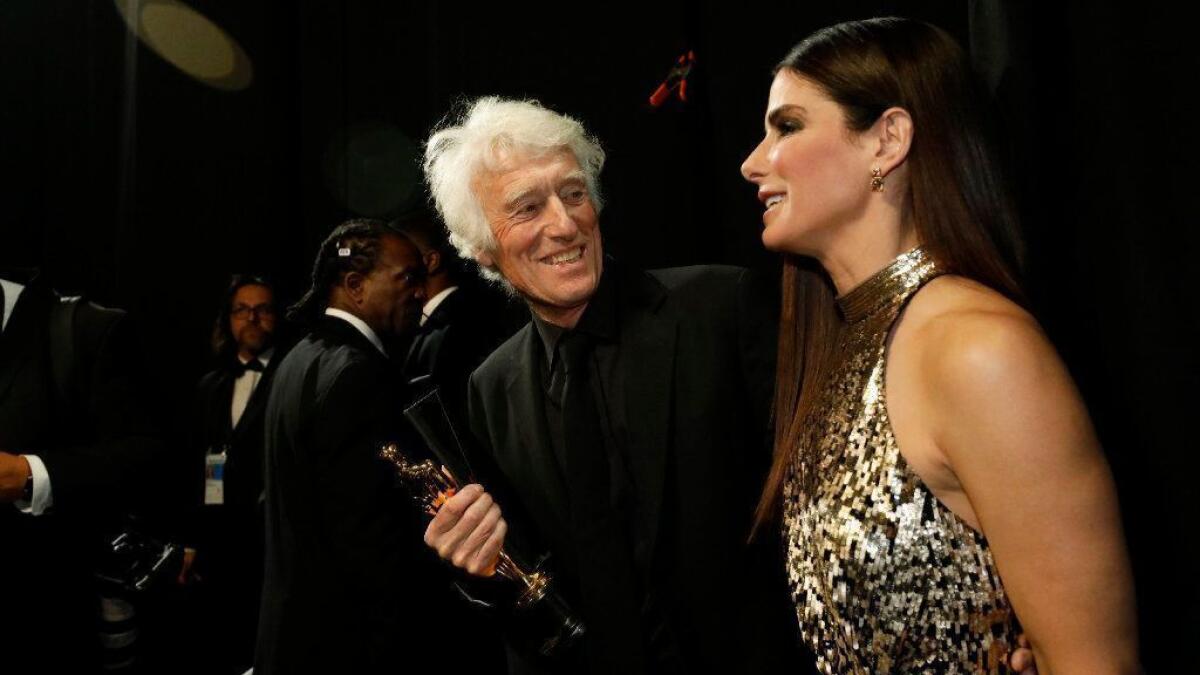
[[240, 368]]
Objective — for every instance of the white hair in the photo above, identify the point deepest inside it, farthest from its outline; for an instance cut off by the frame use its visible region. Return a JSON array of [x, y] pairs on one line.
[[488, 130]]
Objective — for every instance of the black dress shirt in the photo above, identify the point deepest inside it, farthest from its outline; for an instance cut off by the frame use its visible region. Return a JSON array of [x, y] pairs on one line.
[[598, 326]]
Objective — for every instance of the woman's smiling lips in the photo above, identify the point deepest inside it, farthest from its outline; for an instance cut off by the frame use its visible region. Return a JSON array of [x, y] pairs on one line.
[[770, 198]]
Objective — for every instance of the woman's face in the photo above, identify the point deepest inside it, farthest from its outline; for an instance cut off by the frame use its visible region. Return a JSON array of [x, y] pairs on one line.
[[812, 173]]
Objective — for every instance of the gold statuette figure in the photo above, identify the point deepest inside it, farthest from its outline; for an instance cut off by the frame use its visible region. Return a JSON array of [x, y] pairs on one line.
[[430, 486]]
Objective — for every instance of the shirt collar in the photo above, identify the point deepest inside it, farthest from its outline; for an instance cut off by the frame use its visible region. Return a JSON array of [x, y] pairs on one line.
[[550, 335], [432, 304], [263, 358], [12, 291], [599, 319], [358, 324]]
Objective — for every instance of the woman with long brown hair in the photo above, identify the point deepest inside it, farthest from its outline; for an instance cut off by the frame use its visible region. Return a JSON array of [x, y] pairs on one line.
[[936, 472]]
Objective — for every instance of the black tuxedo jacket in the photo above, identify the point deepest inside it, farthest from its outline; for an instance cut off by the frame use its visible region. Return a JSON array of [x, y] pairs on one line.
[[460, 333], [349, 586], [243, 443], [100, 448], [229, 536], [695, 355]]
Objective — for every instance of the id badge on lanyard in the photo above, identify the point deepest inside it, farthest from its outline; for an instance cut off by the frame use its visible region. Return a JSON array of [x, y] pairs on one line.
[[214, 476]]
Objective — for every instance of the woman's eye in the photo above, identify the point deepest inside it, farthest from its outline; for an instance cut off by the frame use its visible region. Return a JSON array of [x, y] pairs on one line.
[[785, 127]]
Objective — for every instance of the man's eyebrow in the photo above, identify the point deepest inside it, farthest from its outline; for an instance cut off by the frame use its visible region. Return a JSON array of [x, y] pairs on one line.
[[520, 194], [517, 196], [576, 176], [784, 110]]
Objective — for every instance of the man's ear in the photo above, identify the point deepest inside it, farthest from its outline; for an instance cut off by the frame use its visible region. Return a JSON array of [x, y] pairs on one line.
[[893, 134], [433, 262], [354, 283], [485, 259]]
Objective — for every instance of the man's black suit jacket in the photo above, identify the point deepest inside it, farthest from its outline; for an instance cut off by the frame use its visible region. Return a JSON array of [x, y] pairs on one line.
[[243, 443], [696, 357], [460, 333], [99, 448], [349, 586], [229, 536]]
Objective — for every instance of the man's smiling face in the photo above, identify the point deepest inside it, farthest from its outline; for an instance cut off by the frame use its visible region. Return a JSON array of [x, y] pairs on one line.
[[547, 232]]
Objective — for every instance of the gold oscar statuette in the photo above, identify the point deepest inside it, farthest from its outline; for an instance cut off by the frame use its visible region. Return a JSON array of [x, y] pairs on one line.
[[431, 485]]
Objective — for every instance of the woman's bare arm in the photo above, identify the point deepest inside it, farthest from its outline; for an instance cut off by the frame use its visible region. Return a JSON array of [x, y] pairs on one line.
[[1014, 430]]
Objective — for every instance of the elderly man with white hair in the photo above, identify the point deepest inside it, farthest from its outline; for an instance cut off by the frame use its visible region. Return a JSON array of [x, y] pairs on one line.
[[626, 424]]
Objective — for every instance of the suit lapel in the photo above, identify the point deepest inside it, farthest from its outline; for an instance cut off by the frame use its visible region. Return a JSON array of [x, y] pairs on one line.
[[16, 355], [443, 314], [648, 364], [223, 415], [258, 399], [529, 438], [340, 331], [20, 341], [422, 356]]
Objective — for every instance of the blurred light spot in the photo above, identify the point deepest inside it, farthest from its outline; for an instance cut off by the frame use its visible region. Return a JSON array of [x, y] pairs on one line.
[[189, 41], [372, 169]]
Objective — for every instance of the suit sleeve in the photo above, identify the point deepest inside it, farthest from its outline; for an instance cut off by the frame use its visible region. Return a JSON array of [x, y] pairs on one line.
[[460, 354], [191, 463], [479, 454], [521, 542], [123, 444], [477, 418], [758, 332], [375, 537]]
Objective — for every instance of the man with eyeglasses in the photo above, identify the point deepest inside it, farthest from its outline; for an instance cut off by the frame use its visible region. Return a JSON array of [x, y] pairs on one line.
[[223, 559]]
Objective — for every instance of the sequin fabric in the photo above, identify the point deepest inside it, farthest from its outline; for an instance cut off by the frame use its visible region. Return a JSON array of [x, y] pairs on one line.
[[885, 578]]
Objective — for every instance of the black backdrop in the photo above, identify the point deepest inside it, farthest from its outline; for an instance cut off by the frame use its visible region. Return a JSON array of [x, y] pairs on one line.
[[129, 181]]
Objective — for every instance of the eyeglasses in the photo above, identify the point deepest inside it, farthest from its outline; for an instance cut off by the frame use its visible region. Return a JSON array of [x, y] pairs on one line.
[[244, 311]]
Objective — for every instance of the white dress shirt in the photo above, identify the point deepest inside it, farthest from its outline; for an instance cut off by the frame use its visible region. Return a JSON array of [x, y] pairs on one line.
[[12, 291], [432, 303], [43, 496], [360, 325], [244, 386]]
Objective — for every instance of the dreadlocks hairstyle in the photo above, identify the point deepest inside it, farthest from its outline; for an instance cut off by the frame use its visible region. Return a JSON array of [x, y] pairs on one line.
[[353, 246]]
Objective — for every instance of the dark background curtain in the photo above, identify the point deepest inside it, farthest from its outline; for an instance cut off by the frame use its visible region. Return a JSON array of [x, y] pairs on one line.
[[142, 187]]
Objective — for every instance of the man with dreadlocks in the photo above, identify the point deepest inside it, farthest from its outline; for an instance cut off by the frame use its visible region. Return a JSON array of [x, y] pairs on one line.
[[346, 588]]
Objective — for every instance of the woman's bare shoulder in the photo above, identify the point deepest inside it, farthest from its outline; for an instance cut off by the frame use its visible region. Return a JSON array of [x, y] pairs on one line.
[[970, 338], [953, 298]]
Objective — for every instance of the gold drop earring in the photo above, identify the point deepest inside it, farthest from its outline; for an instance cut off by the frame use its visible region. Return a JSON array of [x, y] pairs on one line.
[[876, 180]]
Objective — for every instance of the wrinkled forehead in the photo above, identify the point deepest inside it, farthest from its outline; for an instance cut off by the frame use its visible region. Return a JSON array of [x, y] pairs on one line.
[[515, 172], [504, 155]]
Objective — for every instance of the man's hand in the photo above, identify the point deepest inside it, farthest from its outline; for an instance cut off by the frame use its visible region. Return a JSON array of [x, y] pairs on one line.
[[14, 469], [186, 576], [468, 531], [1021, 660]]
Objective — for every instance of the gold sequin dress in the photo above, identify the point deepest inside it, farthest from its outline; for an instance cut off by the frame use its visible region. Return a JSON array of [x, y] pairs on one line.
[[885, 578]]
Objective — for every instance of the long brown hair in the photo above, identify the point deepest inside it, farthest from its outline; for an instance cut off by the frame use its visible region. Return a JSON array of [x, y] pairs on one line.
[[961, 211]]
